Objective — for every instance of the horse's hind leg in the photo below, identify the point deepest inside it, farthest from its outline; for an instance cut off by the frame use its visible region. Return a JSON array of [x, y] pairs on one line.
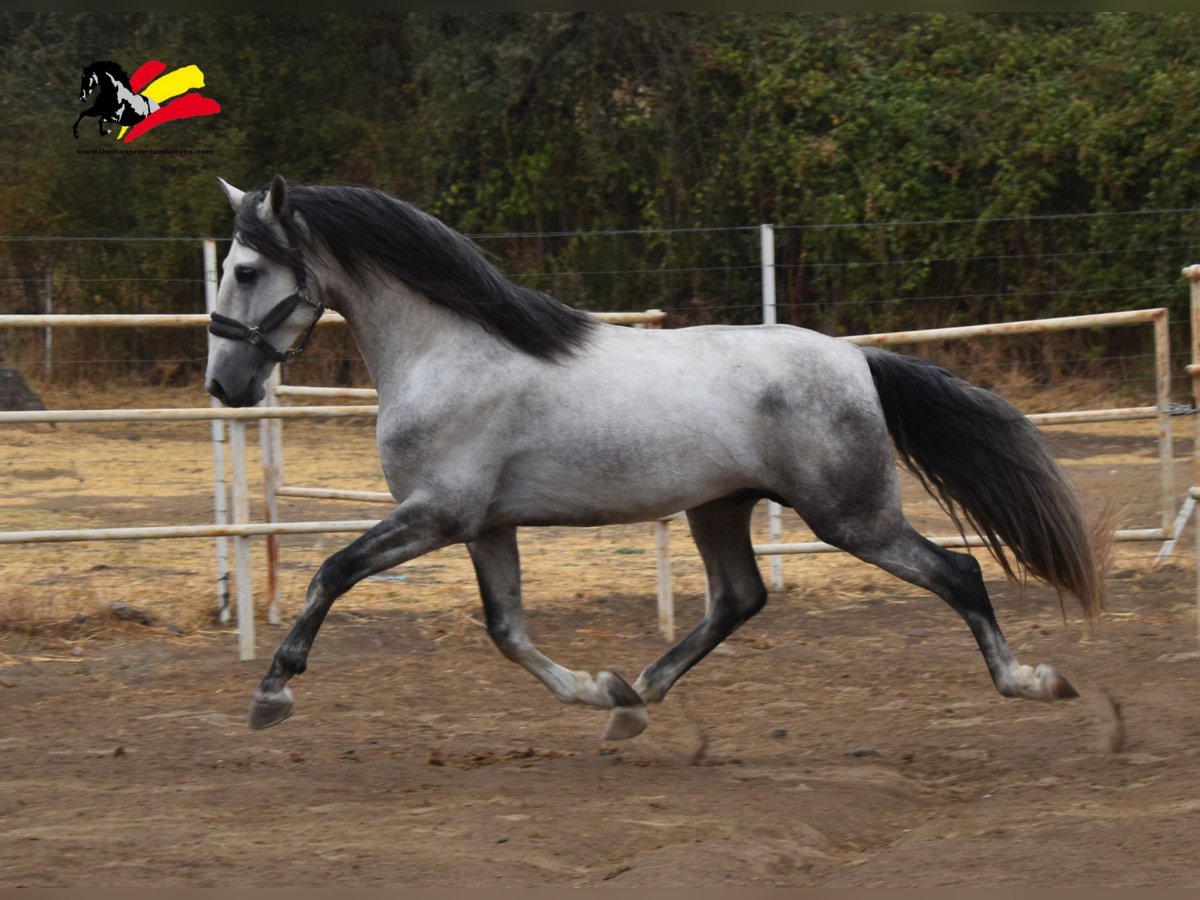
[[849, 494], [956, 578], [859, 511], [721, 530], [498, 568]]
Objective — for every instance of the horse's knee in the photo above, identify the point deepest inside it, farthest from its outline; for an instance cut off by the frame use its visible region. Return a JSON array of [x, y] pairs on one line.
[[509, 639], [337, 574], [502, 637], [731, 606]]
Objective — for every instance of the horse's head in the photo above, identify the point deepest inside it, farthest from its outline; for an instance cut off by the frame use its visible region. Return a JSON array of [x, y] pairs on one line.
[[262, 304], [88, 82]]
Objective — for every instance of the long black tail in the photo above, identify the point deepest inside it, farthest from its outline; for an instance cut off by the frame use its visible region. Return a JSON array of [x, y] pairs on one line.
[[985, 461]]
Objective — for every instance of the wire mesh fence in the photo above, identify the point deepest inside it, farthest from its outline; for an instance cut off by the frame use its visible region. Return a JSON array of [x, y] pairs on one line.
[[838, 278]]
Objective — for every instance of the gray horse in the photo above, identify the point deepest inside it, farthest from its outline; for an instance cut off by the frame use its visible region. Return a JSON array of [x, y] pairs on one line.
[[501, 407]]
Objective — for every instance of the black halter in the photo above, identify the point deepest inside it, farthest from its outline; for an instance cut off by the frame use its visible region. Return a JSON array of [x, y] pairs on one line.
[[224, 326]]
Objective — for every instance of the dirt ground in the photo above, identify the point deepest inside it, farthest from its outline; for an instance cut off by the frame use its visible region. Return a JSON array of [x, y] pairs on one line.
[[848, 736]]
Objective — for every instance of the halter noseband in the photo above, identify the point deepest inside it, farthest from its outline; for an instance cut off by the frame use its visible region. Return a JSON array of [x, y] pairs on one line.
[[224, 326]]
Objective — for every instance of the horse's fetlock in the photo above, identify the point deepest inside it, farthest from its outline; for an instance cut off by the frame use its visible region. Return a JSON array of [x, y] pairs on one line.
[[291, 661], [1008, 689]]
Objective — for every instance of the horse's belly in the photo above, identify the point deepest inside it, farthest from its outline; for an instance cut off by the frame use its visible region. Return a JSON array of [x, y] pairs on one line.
[[552, 493]]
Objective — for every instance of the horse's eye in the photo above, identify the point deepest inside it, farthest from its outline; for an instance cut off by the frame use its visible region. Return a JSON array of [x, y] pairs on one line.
[[245, 274]]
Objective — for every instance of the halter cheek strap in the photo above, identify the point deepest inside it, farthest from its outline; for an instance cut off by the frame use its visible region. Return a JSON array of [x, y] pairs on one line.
[[224, 326]]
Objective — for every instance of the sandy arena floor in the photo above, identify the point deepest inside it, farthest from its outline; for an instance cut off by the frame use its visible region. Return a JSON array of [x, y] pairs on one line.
[[847, 736]]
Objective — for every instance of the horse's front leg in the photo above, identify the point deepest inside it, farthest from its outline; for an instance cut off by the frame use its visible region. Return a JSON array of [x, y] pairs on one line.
[[90, 111], [721, 530], [410, 531], [498, 567]]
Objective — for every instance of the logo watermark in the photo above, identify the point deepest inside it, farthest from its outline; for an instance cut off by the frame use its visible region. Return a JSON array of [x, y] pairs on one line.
[[141, 151], [140, 102]]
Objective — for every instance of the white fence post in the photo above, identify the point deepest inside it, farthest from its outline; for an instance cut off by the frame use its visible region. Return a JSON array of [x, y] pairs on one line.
[[220, 493], [774, 510], [241, 543], [1166, 438], [1192, 273], [666, 597], [48, 362], [272, 481]]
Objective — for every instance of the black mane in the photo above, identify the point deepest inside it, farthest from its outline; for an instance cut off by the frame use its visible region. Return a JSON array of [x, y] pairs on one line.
[[109, 67], [365, 228]]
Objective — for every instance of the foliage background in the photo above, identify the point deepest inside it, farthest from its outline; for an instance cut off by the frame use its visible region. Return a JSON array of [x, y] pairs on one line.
[[921, 169]]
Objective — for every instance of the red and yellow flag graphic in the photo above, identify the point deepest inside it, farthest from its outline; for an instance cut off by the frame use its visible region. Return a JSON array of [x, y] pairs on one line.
[[150, 82]]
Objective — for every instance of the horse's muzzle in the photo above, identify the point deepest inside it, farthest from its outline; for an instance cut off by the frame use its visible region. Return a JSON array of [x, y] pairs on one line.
[[246, 397]]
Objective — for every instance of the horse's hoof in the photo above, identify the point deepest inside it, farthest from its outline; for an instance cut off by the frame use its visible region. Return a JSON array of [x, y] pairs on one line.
[[626, 722], [617, 689], [1054, 683], [270, 709], [1044, 683]]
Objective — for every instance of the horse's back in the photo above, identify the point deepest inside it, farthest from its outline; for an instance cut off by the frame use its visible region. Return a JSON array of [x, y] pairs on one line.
[[644, 423], [765, 364]]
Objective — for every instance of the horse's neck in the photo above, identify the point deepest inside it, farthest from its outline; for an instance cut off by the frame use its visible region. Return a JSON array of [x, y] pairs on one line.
[[110, 85], [400, 333]]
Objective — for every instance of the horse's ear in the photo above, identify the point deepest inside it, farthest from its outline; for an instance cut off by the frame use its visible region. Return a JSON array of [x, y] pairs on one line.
[[235, 196], [277, 199]]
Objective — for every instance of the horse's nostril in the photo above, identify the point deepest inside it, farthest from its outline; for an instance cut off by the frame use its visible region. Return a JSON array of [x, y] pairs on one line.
[[215, 388]]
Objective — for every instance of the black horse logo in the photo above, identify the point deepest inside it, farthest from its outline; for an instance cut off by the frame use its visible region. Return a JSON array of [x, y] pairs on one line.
[[116, 101]]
